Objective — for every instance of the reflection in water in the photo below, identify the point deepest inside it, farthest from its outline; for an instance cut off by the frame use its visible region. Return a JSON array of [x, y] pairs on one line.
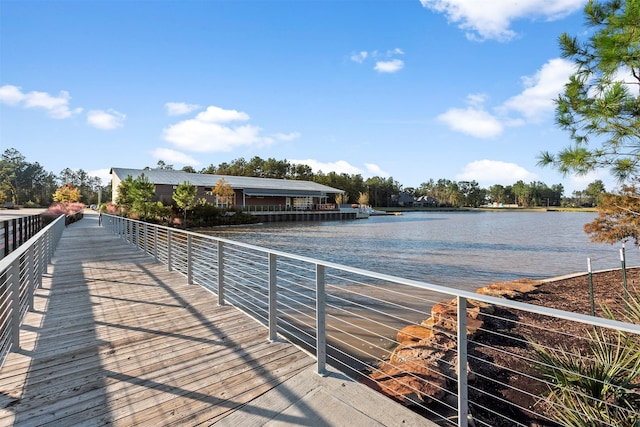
[[464, 250]]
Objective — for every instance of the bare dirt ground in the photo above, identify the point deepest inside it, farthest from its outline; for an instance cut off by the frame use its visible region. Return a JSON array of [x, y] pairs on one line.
[[570, 294]]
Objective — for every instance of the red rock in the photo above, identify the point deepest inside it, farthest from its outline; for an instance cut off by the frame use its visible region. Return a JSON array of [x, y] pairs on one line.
[[413, 333], [410, 382]]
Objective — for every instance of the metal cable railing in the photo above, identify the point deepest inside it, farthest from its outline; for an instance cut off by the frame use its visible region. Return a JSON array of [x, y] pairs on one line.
[[20, 275], [412, 340]]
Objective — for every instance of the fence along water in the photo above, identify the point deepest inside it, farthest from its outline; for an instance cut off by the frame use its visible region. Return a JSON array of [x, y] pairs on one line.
[[350, 318]]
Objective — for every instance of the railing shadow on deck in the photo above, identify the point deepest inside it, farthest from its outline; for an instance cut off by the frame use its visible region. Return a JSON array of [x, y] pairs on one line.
[[65, 355], [65, 309]]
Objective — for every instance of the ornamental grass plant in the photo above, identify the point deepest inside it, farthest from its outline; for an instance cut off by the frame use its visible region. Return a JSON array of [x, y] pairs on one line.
[[599, 385]]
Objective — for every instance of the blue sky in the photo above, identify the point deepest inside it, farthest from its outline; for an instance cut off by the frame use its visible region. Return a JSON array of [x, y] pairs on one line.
[[455, 89]]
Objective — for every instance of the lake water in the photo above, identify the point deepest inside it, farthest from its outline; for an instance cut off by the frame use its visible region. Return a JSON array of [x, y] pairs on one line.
[[464, 250]]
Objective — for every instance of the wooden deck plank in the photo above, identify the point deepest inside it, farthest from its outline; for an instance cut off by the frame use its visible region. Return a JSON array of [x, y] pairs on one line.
[[116, 339]]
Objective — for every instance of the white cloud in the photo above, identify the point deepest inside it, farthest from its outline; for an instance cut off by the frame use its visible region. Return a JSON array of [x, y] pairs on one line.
[[491, 19], [342, 166], [392, 66], [215, 114], [11, 95], [57, 107], [489, 172], [180, 108], [533, 104], [541, 89], [385, 62], [104, 176], [106, 120], [375, 170], [174, 157], [210, 131], [359, 57], [286, 136], [477, 99], [473, 120]]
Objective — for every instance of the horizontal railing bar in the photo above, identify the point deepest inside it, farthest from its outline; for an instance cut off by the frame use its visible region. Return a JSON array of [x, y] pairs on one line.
[[565, 315]]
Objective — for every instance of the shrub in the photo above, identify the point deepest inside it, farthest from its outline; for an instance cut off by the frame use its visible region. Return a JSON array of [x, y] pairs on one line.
[[72, 211], [602, 385]]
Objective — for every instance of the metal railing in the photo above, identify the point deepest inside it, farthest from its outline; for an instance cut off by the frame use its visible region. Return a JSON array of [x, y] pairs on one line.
[[20, 275], [14, 232], [291, 208], [351, 318]]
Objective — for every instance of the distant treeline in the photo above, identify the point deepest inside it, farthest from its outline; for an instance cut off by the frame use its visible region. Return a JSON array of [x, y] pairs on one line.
[[383, 192], [29, 184]]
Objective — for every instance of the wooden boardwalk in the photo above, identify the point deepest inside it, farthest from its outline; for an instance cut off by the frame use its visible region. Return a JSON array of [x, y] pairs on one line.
[[116, 339]]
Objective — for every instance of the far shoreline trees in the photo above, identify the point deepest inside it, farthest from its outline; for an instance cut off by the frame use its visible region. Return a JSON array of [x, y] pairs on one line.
[[20, 188]]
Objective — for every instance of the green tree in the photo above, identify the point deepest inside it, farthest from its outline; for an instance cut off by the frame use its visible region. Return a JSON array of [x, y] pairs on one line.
[[301, 172], [142, 191], [472, 194], [185, 198], [601, 101], [594, 190], [497, 194], [522, 193], [136, 195], [161, 165], [125, 195]]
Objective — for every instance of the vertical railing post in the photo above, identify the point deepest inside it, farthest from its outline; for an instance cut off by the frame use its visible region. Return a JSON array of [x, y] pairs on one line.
[[273, 308], [624, 280], [31, 272], [146, 239], [6, 237], [50, 245], [590, 278], [169, 249], [14, 288], [220, 254], [321, 338], [155, 243], [189, 259], [14, 234], [39, 256], [463, 400]]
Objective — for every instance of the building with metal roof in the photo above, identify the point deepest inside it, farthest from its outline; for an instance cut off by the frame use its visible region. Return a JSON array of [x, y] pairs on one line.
[[248, 191]]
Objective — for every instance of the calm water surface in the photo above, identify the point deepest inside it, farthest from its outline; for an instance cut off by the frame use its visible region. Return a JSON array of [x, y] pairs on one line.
[[464, 250]]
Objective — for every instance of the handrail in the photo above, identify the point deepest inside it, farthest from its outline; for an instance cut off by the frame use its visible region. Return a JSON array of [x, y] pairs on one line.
[[16, 231], [20, 275], [309, 301]]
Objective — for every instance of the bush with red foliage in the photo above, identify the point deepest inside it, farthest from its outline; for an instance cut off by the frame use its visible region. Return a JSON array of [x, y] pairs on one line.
[[72, 211]]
